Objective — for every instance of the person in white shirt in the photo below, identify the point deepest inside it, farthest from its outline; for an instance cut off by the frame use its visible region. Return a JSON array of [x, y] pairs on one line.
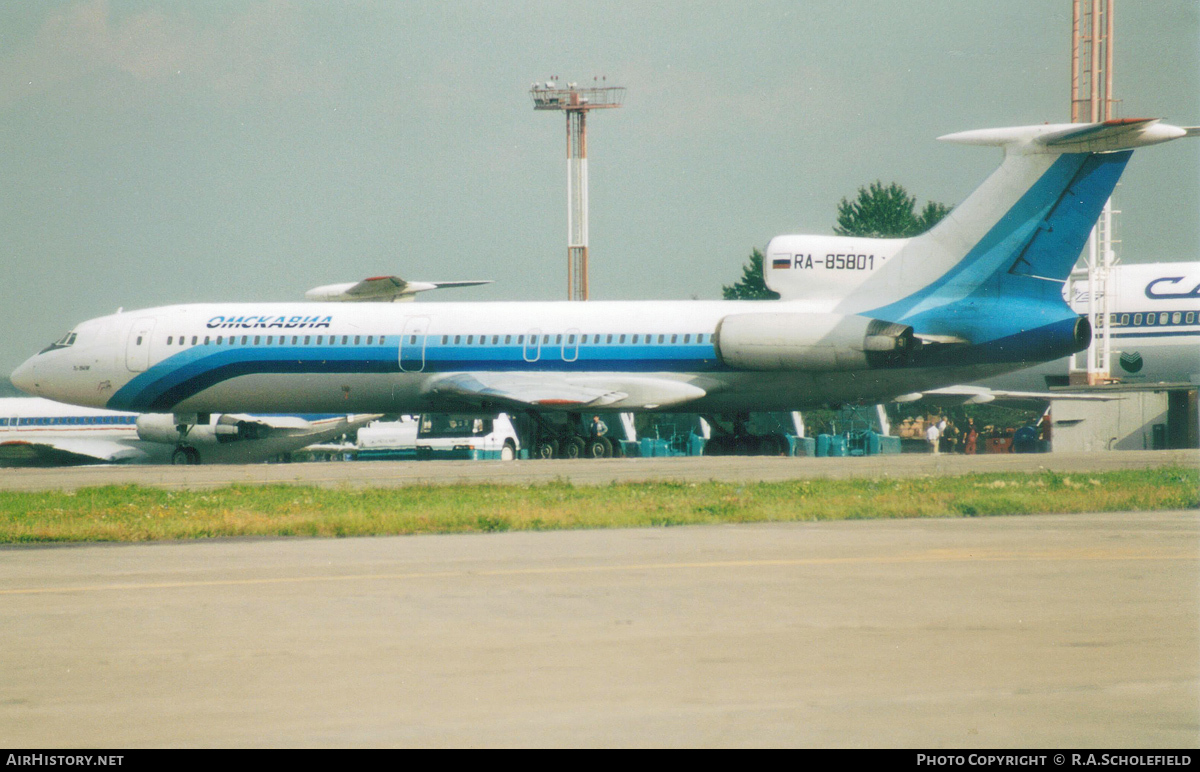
[[932, 435]]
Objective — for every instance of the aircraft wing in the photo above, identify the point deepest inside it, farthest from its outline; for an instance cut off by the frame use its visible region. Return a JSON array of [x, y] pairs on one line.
[[62, 451], [953, 396], [562, 392], [299, 426], [380, 289], [243, 438]]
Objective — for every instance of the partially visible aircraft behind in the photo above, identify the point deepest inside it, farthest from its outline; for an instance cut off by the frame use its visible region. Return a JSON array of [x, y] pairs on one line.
[[1154, 321], [860, 321], [1154, 316], [39, 432]]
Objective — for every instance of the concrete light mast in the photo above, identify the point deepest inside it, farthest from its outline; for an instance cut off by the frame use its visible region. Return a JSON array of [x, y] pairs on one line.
[[576, 102], [1091, 102]]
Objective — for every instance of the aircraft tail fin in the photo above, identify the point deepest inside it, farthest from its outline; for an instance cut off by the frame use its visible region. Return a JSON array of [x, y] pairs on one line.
[[1021, 232]]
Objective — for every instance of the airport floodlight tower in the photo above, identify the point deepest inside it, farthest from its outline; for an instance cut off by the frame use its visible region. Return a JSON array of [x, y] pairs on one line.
[[1091, 102], [576, 102]]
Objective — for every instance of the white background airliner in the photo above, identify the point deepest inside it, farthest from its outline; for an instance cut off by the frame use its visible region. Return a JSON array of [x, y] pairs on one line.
[[1155, 320], [40, 432], [860, 321], [1155, 328]]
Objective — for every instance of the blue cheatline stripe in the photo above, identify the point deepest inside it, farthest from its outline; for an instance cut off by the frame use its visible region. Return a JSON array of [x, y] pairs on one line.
[[189, 372]]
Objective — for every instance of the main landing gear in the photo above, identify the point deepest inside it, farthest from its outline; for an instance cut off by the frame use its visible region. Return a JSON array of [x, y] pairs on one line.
[[186, 455], [566, 439], [731, 436]]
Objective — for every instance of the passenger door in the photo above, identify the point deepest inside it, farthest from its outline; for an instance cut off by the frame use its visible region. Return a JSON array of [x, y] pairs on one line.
[[570, 349], [412, 344], [533, 345], [137, 347]]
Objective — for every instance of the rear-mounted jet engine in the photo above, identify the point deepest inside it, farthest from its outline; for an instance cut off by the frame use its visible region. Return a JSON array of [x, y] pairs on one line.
[[812, 342]]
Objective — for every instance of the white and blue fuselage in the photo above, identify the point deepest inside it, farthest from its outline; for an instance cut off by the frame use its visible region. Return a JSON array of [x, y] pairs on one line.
[[390, 358], [861, 320]]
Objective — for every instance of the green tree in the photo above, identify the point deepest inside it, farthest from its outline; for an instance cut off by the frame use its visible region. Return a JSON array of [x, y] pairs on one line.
[[751, 286], [886, 213]]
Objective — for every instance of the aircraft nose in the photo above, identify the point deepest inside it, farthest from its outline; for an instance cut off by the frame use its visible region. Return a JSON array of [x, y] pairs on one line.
[[25, 377]]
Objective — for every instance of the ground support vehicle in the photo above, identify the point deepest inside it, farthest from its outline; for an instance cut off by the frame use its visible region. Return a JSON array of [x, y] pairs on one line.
[[467, 436], [389, 440]]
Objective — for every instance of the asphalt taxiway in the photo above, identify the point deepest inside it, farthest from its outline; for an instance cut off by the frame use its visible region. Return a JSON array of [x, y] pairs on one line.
[[582, 472], [1036, 631]]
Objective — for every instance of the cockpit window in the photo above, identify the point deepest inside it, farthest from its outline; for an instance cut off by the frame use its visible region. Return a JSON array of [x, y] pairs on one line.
[[63, 342]]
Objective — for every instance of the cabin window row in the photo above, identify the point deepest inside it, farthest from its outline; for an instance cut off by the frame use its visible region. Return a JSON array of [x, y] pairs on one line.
[[470, 340], [99, 420], [571, 340], [1153, 319]]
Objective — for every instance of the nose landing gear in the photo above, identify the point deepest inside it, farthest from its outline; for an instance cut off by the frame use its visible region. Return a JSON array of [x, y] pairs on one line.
[[185, 456]]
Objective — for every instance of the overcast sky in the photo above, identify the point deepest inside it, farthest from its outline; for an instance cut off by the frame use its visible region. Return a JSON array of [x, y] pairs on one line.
[[163, 152]]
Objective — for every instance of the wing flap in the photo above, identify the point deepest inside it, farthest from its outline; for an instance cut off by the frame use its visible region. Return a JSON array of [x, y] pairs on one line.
[[275, 426], [955, 396], [563, 392]]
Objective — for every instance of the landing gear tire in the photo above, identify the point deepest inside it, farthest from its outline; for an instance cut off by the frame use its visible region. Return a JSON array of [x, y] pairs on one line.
[[718, 446], [546, 449], [185, 457], [574, 447], [748, 445], [599, 447], [773, 445]]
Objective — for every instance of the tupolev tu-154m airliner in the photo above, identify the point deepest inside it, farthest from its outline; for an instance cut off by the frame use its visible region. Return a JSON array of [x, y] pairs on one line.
[[859, 321]]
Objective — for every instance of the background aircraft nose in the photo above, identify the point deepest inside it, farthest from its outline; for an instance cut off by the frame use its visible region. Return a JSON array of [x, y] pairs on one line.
[[24, 377]]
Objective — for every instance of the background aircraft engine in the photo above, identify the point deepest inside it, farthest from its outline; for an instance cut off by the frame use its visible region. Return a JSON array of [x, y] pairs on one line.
[[778, 341], [157, 427], [161, 427]]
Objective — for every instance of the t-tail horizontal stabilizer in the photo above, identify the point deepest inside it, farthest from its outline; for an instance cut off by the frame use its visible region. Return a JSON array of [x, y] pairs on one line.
[[1104, 137]]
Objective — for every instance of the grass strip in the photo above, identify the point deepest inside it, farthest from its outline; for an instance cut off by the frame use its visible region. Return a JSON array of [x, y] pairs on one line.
[[130, 513]]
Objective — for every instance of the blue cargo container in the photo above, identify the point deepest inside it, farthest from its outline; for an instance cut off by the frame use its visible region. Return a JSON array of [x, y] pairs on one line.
[[655, 448], [887, 445]]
